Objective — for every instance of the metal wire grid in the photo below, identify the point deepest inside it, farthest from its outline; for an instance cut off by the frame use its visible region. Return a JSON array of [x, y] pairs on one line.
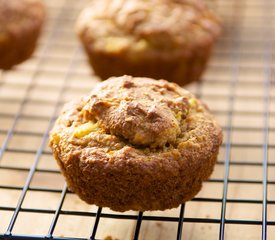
[[239, 88]]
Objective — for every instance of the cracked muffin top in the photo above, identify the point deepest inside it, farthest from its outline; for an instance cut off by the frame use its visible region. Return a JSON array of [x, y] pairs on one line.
[[135, 113], [137, 25]]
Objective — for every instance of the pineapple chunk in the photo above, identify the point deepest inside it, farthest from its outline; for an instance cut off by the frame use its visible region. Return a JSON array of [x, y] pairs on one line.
[[116, 44], [193, 102], [85, 129], [141, 45], [55, 137], [178, 115]]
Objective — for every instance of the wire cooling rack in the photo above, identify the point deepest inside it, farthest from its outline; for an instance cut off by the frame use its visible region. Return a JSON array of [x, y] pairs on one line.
[[238, 202]]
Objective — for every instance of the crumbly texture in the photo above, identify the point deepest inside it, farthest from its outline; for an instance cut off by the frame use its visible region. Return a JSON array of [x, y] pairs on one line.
[[169, 39], [136, 144], [20, 25]]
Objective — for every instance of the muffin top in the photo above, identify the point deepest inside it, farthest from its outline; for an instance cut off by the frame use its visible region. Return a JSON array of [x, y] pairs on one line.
[[137, 115], [19, 15], [142, 25]]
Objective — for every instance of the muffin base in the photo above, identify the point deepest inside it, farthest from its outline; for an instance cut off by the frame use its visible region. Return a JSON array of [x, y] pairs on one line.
[[18, 49], [149, 185], [181, 70]]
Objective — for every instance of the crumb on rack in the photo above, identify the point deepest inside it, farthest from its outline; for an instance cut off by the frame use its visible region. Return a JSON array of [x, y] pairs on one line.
[[110, 238]]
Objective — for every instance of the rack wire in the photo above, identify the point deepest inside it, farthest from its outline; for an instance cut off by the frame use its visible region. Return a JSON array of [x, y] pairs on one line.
[[238, 202]]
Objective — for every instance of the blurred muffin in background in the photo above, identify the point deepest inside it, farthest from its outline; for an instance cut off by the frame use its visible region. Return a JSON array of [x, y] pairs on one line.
[[169, 39], [20, 25]]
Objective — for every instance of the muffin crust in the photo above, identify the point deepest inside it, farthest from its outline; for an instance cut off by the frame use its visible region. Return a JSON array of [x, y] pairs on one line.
[[136, 144]]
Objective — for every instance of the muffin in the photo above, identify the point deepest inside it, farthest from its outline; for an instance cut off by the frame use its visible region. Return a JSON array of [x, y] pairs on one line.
[[20, 25], [136, 144], [169, 39]]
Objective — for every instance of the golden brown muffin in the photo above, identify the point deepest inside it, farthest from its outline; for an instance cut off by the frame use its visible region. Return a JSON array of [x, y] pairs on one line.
[[20, 25], [136, 144], [168, 39]]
